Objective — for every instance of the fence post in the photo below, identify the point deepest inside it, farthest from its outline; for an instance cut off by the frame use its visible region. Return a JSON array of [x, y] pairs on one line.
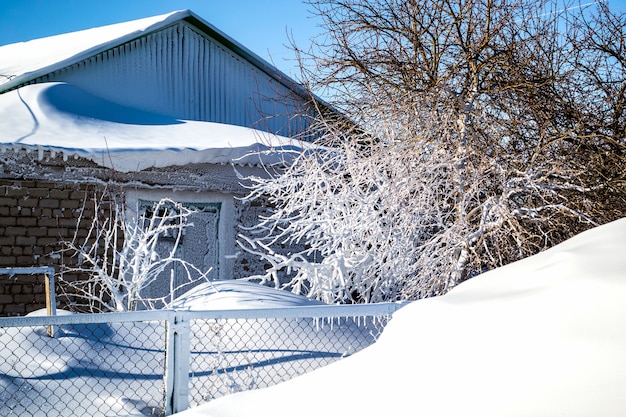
[[48, 274], [177, 357], [51, 304]]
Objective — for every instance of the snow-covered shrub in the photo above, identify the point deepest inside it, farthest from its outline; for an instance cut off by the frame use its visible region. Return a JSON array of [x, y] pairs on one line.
[[350, 210], [121, 256], [495, 130], [387, 220]]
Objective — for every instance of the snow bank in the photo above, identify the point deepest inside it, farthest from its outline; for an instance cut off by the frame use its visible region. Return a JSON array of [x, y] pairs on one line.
[[64, 119], [540, 337], [237, 294]]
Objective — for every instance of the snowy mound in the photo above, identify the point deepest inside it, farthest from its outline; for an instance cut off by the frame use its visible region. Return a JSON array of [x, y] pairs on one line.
[[64, 119], [540, 337], [236, 294]]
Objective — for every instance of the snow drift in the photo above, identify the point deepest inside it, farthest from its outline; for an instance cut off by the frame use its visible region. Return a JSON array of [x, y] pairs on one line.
[[540, 337], [237, 294], [67, 120]]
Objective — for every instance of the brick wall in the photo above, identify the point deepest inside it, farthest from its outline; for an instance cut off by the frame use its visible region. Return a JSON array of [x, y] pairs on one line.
[[35, 217]]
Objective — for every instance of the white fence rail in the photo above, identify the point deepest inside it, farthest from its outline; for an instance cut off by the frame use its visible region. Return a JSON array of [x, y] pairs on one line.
[[156, 363]]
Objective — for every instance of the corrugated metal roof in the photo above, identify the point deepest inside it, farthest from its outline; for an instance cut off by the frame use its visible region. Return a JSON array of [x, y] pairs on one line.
[[25, 61]]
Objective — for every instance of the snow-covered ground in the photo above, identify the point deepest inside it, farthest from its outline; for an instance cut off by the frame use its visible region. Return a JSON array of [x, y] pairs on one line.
[[117, 368], [544, 336], [236, 294], [541, 337]]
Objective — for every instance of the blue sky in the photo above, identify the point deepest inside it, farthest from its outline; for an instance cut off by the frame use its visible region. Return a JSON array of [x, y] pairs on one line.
[[260, 25]]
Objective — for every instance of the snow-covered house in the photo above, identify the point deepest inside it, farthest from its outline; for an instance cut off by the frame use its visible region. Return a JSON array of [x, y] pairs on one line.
[[152, 108]]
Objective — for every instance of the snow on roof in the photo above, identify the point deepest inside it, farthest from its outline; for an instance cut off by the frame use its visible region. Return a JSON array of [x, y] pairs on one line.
[[23, 61], [64, 119]]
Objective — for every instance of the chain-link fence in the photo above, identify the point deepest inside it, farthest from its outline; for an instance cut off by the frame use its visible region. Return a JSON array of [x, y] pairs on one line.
[[159, 362]]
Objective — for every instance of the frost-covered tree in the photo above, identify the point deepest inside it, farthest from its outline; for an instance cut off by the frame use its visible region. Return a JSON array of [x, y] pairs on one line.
[[120, 257], [489, 130]]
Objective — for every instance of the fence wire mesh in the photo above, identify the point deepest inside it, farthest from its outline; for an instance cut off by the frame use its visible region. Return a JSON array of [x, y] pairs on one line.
[[100, 369], [115, 364], [235, 355]]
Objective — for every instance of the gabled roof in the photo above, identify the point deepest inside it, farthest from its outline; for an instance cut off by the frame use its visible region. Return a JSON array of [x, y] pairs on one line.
[[25, 61]]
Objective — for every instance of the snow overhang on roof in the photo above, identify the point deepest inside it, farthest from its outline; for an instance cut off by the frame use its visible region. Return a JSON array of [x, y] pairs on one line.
[[25, 61], [63, 119]]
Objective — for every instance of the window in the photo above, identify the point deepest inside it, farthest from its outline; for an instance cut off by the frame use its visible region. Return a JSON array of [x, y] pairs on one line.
[[198, 245]]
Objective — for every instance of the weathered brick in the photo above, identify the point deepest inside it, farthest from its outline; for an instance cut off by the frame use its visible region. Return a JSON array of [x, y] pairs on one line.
[[8, 201], [14, 309], [29, 279], [15, 231], [46, 241], [71, 204], [60, 232], [15, 191], [39, 192], [25, 240], [7, 240], [26, 221], [47, 222], [5, 260], [23, 298], [25, 260], [37, 231], [6, 299], [78, 195], [60, 194], [8, 220], [29, 202], [7, 249], [86, 213], [82, 232], [41, 299], [63, 222], [49, 203]]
